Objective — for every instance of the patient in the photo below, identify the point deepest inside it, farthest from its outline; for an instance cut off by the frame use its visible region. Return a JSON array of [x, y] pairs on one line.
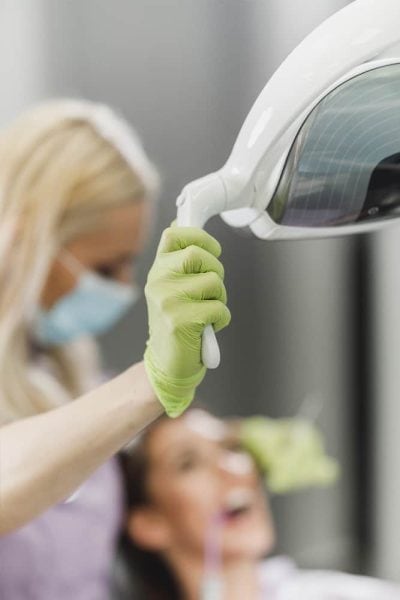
[[199, 525]]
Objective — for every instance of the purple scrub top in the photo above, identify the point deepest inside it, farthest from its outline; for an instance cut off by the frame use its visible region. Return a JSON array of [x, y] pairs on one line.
[[66, 553]]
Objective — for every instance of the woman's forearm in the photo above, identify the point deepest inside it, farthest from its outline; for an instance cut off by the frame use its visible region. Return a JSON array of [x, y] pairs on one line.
[[43, 459]]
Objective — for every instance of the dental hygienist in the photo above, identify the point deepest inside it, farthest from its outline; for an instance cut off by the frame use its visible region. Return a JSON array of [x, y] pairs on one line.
[[75, 203]]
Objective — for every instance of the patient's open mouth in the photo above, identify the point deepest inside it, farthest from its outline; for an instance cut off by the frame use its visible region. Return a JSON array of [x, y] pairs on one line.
[[238, 503]]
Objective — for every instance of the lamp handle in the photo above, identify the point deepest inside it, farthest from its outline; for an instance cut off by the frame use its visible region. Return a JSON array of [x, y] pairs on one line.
[[192, 213]]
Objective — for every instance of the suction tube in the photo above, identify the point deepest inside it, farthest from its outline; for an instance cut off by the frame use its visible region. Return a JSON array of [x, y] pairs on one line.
[[212, 585]]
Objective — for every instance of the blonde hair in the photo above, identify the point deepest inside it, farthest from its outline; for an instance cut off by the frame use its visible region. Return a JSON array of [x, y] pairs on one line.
[[62, 165]]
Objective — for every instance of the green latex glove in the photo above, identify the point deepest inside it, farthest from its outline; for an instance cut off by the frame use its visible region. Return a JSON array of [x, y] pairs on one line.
[[184, 293], [289, 451]]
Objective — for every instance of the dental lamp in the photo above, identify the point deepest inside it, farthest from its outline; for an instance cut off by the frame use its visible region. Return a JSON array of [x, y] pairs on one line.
[[319, 153]]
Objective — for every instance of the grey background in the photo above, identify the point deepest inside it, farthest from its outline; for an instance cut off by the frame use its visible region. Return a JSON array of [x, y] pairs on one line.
[[185, 73]]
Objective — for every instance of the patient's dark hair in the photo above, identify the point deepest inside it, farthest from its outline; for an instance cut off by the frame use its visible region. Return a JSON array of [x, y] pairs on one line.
[[147, 569]]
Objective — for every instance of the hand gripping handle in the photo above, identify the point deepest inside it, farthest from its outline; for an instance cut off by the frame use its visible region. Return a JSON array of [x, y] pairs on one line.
[[197, 202], [210, 352]]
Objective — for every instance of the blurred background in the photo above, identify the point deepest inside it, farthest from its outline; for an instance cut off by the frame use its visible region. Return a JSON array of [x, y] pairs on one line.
[[313, 322]]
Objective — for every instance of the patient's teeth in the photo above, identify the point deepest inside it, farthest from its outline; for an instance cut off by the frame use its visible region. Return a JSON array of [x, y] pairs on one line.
[[239, 498]]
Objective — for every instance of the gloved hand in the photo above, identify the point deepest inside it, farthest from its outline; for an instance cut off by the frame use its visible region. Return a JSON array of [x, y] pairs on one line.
[[184, 293], [289, 452]]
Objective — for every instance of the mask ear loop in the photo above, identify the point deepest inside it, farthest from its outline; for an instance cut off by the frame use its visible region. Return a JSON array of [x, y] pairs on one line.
[[74, 266]]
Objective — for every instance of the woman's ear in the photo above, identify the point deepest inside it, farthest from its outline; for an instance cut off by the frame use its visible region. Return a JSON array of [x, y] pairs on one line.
[[148, 529]]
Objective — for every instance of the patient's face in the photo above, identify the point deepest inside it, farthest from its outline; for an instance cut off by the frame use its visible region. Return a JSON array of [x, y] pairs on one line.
[[198, 479]]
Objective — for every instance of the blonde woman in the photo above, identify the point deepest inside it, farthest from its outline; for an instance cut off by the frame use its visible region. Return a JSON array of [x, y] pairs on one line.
[[75, 201]]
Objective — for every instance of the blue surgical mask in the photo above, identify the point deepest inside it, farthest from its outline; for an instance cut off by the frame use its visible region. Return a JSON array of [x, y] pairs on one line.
[[91, 308]]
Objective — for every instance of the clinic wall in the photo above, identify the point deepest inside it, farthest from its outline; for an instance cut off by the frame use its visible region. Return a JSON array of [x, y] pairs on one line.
[[385, 315], [186, 73], [23, 56]]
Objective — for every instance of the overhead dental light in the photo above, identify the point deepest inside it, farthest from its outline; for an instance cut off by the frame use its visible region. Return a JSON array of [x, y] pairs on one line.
[[319, 153]]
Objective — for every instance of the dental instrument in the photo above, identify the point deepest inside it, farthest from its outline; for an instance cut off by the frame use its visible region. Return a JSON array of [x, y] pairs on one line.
[[212, 585]]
